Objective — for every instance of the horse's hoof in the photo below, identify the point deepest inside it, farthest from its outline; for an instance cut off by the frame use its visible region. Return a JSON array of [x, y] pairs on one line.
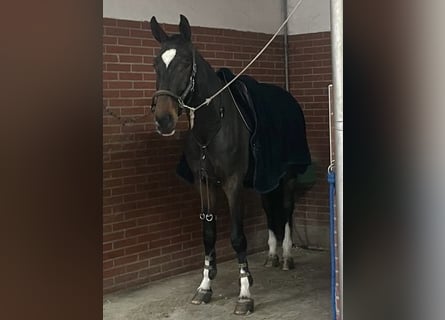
[[202, 296], [244, 306], [288, 264], [272, 261]]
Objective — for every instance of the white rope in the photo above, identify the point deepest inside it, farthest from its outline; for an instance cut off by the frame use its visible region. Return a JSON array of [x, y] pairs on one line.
[[209, 99]]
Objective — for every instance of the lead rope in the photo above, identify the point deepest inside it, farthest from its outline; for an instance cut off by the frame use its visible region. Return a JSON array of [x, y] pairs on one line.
[[123, 121], [209, 99]]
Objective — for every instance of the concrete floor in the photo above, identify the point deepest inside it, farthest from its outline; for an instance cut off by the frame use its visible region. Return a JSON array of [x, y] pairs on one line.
[[302, 293]]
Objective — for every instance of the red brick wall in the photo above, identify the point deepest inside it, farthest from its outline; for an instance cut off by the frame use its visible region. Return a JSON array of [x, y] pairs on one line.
[[151, 227], [310, 73]]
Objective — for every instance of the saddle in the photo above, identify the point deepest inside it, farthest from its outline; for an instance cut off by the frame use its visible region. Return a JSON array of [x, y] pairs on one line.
[[241, 97]]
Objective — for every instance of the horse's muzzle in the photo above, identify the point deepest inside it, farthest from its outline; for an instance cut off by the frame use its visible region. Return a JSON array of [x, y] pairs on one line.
[[166, 125]]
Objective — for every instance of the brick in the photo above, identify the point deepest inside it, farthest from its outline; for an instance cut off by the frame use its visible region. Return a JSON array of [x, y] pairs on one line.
[[322, 56], [112, 236], [106, 246], [124, 243], [151, 219], [107, 264], [112, 254], [126, 278], [129, 24], [131, 93], [147, 238], [142, 84], [141, 51], [130, 76], [141, 34], [136, 213], [113, 272], [171, 265], [109, 76], [159, 260], [130, 59], [313, 63], [124, 225], [136, 231], [109, 40], [110, 58], [125, 260], [118, 67], [109, 22], [171, 249], [150, 272], [159, 243], [116, 49], [110, 93], [142, 68], [135, 196], [159, 226], [136, 249], [136, 266], [121, 155], [150, 43], [112, 200], [113, 31], [129, 42], [149, 254], [322, 70], [122, 173]]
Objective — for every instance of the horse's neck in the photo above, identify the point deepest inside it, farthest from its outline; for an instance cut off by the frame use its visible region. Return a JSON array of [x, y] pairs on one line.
[[207, 119], [223, 134]]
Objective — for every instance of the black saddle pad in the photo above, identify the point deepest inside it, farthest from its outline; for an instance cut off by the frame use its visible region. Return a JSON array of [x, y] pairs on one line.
[[278, 133], [241, 96]]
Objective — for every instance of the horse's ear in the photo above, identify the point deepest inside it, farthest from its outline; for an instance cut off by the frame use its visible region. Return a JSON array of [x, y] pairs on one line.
[[184, 28], [157, 31]]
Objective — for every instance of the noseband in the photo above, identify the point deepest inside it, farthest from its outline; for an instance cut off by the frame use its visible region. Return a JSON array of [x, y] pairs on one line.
[[180, 99]]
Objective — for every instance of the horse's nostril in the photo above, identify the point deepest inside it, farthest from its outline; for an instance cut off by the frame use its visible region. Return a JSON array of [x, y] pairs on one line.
[[164, 121]]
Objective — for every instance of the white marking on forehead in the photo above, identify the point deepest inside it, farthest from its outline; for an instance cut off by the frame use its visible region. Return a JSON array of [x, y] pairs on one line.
[[168, 56]]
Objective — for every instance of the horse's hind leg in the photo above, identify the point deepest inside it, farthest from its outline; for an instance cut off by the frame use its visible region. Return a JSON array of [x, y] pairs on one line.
[[204, 292], [289, 185], [271, 204]]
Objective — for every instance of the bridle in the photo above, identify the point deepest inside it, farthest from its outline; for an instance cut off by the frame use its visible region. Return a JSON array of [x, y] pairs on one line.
[[179, 98]]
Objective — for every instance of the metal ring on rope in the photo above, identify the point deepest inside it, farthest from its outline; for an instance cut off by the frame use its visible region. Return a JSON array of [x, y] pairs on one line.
[[202, 216], [331, 166], [209, 217]]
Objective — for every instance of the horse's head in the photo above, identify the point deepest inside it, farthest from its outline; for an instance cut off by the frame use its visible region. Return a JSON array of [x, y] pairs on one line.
[[175, 70]]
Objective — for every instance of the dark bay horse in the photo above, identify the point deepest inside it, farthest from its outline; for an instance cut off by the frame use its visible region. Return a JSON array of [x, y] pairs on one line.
[[217, 152]]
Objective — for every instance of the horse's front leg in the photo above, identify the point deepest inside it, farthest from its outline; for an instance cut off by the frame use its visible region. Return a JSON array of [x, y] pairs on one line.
[[232, 188], [204, 292]]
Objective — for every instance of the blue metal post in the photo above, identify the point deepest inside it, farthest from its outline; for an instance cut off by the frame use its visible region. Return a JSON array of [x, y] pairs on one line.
[[331, 181]]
